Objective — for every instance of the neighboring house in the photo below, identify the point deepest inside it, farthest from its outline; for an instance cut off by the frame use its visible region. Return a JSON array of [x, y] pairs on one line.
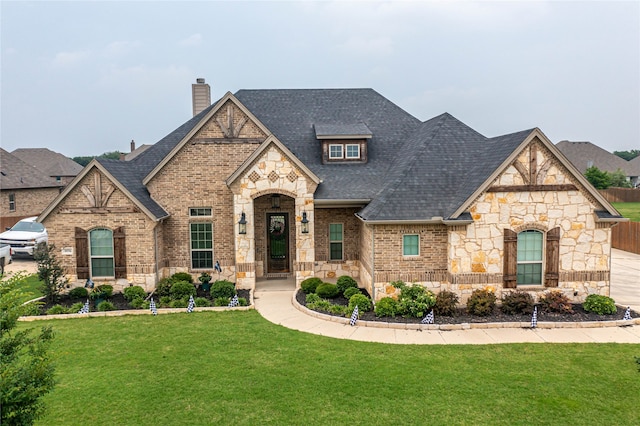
[[300, 183], [635, 169], [134, 151], [24, 190], [52, 164], [585, 154]]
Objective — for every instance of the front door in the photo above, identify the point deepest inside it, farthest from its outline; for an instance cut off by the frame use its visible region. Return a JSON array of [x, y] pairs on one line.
[[277, 242]]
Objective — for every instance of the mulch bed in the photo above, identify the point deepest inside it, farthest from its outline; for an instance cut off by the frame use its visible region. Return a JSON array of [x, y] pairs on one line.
[[121, 304], [579, 315]]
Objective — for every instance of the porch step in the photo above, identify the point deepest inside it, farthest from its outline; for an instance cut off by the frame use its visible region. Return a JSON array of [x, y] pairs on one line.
[[278, 276]]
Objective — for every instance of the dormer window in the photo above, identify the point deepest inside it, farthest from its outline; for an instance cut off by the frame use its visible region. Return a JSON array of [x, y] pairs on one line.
[[343, 143]]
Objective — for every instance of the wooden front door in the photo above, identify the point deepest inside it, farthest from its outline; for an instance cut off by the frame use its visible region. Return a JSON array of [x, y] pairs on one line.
[[277, 242]]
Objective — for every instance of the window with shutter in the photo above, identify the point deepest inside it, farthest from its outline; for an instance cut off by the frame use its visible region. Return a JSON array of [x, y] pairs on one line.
[[552, 267], [510, 258], [120, 252], [82, 254]]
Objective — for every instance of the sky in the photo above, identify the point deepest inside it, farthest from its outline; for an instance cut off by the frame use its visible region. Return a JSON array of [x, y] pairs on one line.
[[86, 77]]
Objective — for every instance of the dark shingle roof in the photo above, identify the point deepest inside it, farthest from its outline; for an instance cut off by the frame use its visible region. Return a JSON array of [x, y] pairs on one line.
[[48, 162], [16, 174], [332, 129]]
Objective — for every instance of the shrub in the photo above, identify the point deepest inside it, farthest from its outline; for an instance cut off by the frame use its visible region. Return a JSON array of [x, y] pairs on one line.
[[78, 293], [103, 291], [106, 306], [387, 307], [312, 298], [178, 303], [601, 305], [202, 302], [163, 288], [481, 302], [182, 289], [320, 305], [556, 301], [221, 301], [310, 284], [242, 301], [134, 292], [517, 302], [415, 301], [360, 300], [327, 290], [137, 303], [57, 309], [75, 307], [33, 309], [446, 303], [223, 288], [182, 276], [351, 291], [164, 301], [345, 282], [338, 309]]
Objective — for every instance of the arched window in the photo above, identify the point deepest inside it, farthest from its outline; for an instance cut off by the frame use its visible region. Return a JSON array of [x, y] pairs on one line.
[[101, 253], [530, 257]]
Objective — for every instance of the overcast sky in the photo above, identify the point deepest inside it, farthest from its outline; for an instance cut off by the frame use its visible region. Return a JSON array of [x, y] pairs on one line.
[[83, 78]]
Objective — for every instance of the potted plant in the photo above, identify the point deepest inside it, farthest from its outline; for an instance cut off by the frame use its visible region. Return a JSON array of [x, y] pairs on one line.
[[205, 278]]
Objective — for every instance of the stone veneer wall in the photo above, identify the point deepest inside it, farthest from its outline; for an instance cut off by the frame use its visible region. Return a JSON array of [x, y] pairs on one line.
[[262, 206], [351, 228], [476, 251], [138, 228]]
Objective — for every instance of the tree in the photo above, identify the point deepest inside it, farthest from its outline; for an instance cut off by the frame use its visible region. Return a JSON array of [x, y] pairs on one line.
[[600, 179], [619, 179], [84, 160], [50, 271], [26, 371], [627, 155]]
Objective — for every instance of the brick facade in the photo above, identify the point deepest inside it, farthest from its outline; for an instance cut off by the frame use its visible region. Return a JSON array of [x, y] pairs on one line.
[[28, 202]]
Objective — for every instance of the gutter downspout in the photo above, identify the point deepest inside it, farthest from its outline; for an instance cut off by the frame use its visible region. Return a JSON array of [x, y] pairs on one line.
[[373, 266]]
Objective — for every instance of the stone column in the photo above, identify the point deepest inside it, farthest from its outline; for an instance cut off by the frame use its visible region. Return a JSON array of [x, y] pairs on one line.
[[245, 243], [305, 249]]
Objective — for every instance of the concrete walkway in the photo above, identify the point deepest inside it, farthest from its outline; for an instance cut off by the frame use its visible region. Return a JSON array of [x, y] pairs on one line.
[[274, 301]]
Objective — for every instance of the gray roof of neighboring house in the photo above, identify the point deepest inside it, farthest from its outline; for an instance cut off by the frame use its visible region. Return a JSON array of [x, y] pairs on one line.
[[635, 166], [139, 150], [414, 171], [48, 162], [16, 174], [586, 154]]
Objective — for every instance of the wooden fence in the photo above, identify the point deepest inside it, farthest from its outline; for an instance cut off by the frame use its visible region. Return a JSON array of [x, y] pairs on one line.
[[621, 195], [626, 236]]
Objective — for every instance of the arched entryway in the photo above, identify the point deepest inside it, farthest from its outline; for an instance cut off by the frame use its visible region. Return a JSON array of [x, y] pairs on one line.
[[275, 235]]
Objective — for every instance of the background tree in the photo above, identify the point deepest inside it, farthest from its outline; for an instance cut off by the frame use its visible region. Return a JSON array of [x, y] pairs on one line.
[[84, 160], [600, 179], [619, 179], [26, 371], [50, 271], [627, 155]]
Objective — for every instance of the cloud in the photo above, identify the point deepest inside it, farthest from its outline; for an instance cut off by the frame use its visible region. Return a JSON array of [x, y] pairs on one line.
[[70, 59], [367, 46], [192, 40], [121, 47]]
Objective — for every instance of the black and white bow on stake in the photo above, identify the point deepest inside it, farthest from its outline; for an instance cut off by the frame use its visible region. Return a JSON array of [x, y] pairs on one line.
[[428, 319], [354, 316], [627, 314], [217, 267], [192, 304], [85, 308], [234, 302], [153, 308], [534, 317]]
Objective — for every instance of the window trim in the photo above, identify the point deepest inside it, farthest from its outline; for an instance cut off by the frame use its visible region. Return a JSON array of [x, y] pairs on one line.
[[12, 202], [346, 150], [192, 250], [332, 157], [541, 262], [404, 245], [92, 256], [341, 241]]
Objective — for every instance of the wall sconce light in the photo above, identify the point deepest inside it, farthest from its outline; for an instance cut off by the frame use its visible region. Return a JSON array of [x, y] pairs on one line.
[[242, 224], [275, 201], [305, 223]]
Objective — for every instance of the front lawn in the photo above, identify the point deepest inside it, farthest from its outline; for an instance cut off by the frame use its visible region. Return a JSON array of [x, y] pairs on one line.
[[630, 210], [237, 368]]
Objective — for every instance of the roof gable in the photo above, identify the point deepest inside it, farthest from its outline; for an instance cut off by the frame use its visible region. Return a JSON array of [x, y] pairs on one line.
[[586, 154], [49, 162], [17, 174]]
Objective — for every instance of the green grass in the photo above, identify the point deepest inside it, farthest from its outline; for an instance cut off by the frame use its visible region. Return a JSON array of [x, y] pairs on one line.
[[30, 286], [237, 368], [630, 210]]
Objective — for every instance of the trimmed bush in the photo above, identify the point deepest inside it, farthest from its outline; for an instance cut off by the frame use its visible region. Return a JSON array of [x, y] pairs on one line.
[[327, 290], [556, 301], [57, 309], [164, 301], [387, 307], [601, 305], [223, 288], [310, 284], [351, 291], [242, 301], [75, 307], [202, 302], [338, 309], [182, 276], [78, 293], [182, 290], [134, 292], [446, 304], [517, 302], [106, 306], [360, 300], [179, 303], [345, 282], [137, 303], [221, 301], [415, 301], [312, 298], [163, 288], [481, 302]]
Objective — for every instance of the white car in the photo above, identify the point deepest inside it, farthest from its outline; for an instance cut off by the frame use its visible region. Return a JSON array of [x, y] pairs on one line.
[[24, 236]]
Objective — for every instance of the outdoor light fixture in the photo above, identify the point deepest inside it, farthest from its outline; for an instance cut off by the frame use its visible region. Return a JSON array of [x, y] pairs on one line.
[[242, 224], [275, 201], [305, 223]]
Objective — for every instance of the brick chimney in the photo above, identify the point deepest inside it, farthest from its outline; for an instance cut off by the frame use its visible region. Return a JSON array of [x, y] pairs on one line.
[[201, 95], [133, 145]]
